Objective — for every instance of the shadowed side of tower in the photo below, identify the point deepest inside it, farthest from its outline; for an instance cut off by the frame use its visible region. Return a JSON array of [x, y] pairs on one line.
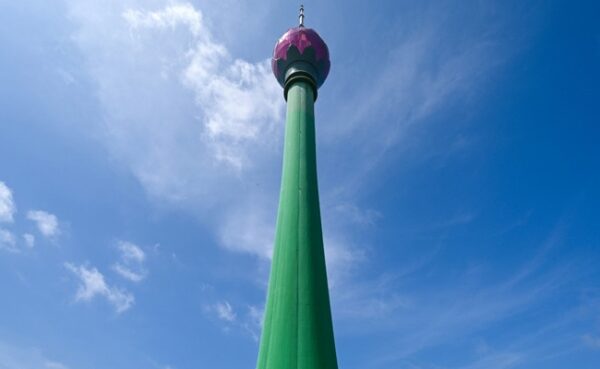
[[298, 331]]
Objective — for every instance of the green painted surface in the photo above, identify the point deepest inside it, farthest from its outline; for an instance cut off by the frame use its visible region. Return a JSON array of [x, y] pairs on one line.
[[297, 331]]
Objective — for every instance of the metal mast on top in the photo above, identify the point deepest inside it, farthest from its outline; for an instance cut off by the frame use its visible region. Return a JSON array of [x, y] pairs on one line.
[[301, 16]]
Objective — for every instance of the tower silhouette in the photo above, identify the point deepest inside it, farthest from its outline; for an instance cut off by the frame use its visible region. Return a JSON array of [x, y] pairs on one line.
[[298, 331]]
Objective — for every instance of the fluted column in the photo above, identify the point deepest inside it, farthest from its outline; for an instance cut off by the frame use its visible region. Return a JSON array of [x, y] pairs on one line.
[[298, 331]]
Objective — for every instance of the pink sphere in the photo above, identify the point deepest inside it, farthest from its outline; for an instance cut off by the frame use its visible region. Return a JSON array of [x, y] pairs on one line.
[[301, 44]]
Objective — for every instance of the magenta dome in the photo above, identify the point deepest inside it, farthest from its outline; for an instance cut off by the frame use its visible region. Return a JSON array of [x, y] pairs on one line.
[[301, 45]]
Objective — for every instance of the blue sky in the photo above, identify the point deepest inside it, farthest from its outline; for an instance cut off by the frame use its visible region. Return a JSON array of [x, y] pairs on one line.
[[140, 155]]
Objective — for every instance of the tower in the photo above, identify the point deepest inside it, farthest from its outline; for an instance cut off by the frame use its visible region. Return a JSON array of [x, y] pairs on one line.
[[298, 331]]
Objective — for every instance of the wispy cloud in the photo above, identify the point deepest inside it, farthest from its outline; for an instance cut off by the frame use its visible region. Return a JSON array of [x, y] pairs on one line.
[[465, 306], [219, 157], [131, 263], [8, 241], [29, 240], [253, 232], [46, 222], [92, 284], [55, 365], [129, 274], [131, 252], [239, 100], [502, 360], [224, 311], [247, 321], [354, 214], [13, 357], [419, 70], [7, 204], [206, 136]]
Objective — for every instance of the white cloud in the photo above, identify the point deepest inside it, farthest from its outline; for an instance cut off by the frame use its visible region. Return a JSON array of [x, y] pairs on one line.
[[131, 252], [7, 204], [197, 127], [46, 223], [174, 60], [254, 321], [29, 240], [352, 213], [256, 315], [131, 265], [14, 357], [127, 273], [247, 230], [342, 258], [55, 365], [92, 284], [8, 241], [248, 322], [171, 17], [239, 100], [224, 311]]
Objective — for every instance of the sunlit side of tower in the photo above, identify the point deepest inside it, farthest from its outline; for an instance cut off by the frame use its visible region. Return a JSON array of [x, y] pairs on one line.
[[298, 331]]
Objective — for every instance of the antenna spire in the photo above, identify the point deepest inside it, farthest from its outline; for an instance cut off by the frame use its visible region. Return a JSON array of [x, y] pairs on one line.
[[301, 16]]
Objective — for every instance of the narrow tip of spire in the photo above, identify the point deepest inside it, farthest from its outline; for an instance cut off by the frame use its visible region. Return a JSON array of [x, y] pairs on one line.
[[301, 16]]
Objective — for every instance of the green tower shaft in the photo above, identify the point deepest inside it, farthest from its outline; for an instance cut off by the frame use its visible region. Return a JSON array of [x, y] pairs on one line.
[[298, 331]]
